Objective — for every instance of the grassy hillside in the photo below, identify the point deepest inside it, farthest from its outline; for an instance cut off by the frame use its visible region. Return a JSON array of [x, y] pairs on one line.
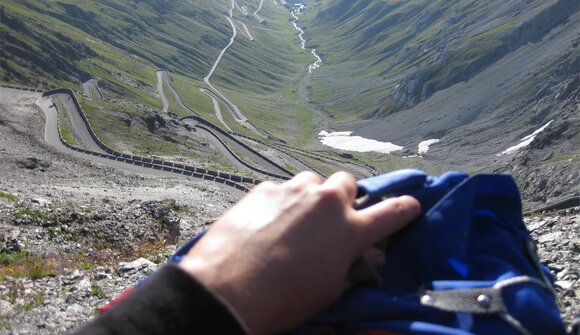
[[400, 53], [123, 43], [61, 37]]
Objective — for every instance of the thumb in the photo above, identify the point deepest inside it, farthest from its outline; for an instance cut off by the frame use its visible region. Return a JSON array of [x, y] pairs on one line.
[[385, 218]]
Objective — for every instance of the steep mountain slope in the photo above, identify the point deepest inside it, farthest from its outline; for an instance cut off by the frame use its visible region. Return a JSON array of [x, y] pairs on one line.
[[402, 52], [63, 34], [123, 43], [477, 75]]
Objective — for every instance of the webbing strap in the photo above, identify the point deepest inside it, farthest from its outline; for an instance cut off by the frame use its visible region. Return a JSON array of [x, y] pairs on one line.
[[486, 300], [477, 301]]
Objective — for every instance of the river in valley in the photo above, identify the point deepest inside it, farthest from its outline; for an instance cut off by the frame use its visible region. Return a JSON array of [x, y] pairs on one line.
[[297, 10]]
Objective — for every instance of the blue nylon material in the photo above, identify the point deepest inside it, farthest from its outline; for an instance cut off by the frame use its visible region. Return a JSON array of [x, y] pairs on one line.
[[393, 182], [471, 234]]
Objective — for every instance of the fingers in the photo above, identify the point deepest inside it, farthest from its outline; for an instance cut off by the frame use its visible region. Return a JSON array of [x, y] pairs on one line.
[[343, 182], [302, 179], [385, 218]]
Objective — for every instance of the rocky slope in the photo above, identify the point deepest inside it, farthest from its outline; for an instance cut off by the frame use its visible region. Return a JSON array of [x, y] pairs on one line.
[[548, 169], [558, 240]]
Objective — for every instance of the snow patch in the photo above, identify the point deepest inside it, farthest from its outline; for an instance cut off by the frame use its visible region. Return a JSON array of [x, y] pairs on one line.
[[525, 141], [344, 141], [424, 146]]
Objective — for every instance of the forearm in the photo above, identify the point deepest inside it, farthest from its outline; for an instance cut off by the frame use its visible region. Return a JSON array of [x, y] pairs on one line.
[[170, 302]]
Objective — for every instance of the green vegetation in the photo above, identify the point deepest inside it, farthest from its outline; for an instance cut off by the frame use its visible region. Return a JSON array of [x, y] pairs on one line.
[[123, 44], [366, 52], [39, 217], [25, 265], [8, 196], [98, 292], [88, 265], [365, 55], [66, 130]]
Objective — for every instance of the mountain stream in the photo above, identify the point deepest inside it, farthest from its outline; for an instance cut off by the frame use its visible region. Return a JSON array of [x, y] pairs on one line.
[[297, 10]]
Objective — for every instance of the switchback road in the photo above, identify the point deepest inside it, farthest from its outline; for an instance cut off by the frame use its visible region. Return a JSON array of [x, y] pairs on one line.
[[160, 80]]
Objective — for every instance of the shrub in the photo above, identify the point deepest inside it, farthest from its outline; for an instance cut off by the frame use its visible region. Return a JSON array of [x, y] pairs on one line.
[[25, 265]]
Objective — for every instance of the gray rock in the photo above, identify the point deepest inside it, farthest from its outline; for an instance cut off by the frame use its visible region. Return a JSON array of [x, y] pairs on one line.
[[137, 265], [75, 309], [84, 284], [537, 224], [550, 237], [6, 309], [564, 284]]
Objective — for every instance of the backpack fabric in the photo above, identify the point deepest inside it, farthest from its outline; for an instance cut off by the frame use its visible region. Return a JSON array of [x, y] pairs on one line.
[[467, 266]]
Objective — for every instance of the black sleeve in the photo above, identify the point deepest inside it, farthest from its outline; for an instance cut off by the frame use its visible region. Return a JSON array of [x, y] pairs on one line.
[[170, 302]]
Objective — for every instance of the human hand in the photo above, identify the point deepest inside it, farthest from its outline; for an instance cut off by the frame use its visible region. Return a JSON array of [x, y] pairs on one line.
[[282, 253]]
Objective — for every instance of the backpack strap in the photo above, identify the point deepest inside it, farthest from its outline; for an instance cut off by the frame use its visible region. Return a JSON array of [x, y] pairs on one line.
[[484, 300]]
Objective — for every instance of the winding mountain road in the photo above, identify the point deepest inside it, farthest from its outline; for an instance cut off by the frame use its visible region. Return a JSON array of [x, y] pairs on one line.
[[161, 77], [256, 15], [241, 8], [216, 107], [245, 30], [176, 96], [225, 144], [234, 110], [51, 136], [110, 157], [76, 121], [91, 89]]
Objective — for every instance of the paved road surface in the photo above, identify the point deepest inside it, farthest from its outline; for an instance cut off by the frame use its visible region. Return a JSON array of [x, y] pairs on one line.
[[91, 89], [216, 107], [77, 123], [160, 79], [51, 137], [211, 135]]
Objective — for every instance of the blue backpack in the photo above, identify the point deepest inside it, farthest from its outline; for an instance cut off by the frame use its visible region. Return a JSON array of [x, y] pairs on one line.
[[467, 266]]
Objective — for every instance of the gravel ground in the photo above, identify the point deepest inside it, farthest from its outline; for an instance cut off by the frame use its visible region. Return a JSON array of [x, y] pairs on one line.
[[88, 231], [558, 240]]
